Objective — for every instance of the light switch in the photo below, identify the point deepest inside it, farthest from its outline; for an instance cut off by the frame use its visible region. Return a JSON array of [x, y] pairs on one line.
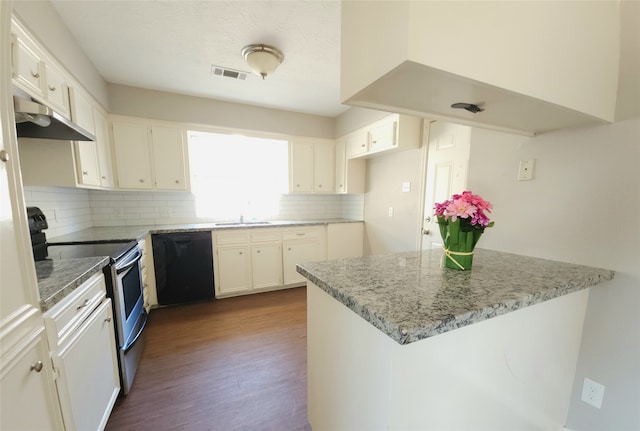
[[525, 171], [406, 187]]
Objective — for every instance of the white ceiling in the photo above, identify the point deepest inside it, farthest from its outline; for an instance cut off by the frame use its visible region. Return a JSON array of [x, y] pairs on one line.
[[171, 46]]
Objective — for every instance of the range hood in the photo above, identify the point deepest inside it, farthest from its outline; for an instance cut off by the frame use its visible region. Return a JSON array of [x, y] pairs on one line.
[[35, 120]]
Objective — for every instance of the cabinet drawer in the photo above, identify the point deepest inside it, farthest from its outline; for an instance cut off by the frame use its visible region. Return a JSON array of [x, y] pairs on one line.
[[300, 233], [232, 237], [69, 313], [265, 235]]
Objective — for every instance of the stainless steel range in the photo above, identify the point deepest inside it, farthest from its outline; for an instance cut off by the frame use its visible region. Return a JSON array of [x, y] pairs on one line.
[[124, 287]]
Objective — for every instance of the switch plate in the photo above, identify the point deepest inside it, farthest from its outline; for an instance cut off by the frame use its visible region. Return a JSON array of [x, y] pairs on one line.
[[390, 211], [592, 393], [525, 171], [406, 187]]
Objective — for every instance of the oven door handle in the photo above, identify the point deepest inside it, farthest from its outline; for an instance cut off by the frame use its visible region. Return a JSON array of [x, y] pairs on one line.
[[120, 268], [133, 341]]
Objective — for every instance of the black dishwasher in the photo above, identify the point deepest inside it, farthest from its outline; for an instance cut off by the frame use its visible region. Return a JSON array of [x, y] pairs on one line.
[[184, 267]]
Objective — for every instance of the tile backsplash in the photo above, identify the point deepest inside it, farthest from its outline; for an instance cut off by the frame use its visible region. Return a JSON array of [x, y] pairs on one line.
[[69, 210]]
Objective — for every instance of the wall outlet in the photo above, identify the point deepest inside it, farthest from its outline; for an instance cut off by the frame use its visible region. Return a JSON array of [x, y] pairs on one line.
[[525, 171], [390, 211], [406, 187], [592, 393]]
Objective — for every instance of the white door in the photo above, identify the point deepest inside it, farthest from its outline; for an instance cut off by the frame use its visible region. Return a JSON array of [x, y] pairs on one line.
[[447, 162]]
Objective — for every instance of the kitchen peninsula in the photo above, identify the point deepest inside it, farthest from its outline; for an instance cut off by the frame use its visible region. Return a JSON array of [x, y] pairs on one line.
[[396, 342]]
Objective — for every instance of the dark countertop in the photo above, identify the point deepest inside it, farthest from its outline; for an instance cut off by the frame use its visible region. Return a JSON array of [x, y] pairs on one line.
[[409, 297]]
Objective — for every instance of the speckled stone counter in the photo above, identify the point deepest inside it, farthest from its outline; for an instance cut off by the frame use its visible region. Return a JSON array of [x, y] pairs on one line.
[[409, 297], [58, 278], [129, 233]]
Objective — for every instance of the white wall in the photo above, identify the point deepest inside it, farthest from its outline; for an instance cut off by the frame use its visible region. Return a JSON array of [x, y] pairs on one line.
[[581, 207], [197, 110], [385, 175]]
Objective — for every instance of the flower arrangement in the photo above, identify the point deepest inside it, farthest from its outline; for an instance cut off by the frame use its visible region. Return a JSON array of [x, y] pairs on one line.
[[462, 220]]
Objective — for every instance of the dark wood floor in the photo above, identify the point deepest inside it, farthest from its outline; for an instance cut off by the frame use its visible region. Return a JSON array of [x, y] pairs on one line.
[[231, 364]]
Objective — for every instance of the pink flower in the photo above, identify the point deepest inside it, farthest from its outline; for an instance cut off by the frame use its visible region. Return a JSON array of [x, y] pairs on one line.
[[460, 208], [440, 208]]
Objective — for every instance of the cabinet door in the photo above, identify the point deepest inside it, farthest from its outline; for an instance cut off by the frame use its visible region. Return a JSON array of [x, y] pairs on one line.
[[88, 380], [266, 265], [234, 269], [383, 136], [299, 251], [27, 391], [357, 144], [28, 67], [301, 167], [82, 110], [168, 157], [87, 163], [56, 91], [103, 144], [131, 141], [341, 164], [323, 167]]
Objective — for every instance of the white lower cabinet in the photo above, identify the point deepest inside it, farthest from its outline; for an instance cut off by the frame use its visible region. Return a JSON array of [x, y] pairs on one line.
[[83, 352], [233, 269], [27, 390], [297, 251], [266, 265], [262, 259]]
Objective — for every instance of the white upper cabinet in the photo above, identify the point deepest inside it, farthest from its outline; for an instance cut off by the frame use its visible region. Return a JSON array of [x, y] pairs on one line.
[[103, 143], [169, 155], [132, 148], [532, 66], [35, 72], [311, 166], [150, 155]]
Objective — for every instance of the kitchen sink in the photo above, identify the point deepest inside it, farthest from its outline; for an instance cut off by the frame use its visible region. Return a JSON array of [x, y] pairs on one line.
[[244, 223]]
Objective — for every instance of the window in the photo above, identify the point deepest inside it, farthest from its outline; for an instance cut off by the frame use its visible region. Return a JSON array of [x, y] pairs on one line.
[[233, 175]]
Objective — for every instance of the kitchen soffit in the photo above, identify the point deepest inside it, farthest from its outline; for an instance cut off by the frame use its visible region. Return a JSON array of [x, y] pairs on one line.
[[171, 46]]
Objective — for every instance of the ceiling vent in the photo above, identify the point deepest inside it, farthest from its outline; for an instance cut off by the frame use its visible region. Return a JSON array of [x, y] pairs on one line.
[[229, 73]]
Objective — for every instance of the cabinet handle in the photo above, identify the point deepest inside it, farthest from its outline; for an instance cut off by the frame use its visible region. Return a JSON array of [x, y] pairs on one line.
[[108, 319], [177, 181], [85, 173], [103, 177], [35, 74], [240, 253], [319, 185], [289, 248], [52, 88], [141, 180], [257, 251], [297, 185], [4, 156], [37, 367], [300, 234], [85, 304], [363, 145]]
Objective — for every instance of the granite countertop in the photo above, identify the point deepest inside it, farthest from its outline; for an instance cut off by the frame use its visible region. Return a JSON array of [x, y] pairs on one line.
[[58, 278], [130, 233], [409, 297]]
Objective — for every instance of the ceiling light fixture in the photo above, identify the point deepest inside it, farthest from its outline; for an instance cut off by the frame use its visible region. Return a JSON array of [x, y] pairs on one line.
[[262, 59]]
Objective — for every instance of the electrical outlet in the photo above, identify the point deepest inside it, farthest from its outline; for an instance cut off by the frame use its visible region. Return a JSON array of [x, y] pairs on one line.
[[592, 393], [390, 211], [525, 170]]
